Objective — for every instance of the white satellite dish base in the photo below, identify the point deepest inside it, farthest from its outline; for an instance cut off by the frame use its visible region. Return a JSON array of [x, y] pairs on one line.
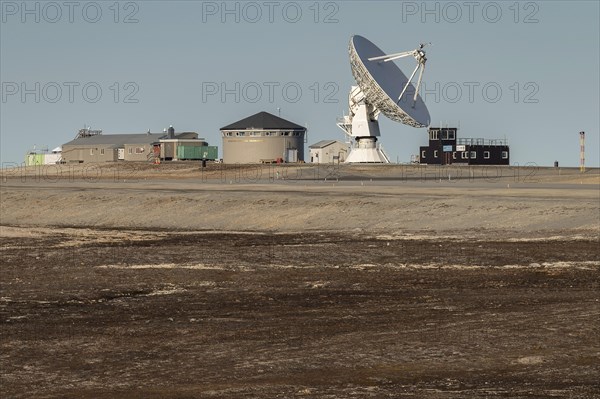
[[363, 130], [382, 88]]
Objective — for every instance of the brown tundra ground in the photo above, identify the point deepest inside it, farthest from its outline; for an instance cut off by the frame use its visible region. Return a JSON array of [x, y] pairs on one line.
[[365, 286]]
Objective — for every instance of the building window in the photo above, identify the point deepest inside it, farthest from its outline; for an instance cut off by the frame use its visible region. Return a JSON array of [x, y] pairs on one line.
[[240, 134], [101, 151], [139, 150], [433, 135], [486, 155], [473, 154], [229, 134], [91, 151], [423, 154], [454, 155], [435, 153], [464, 155], [130, 150], [504, 154], [267, 134], [286, 133]]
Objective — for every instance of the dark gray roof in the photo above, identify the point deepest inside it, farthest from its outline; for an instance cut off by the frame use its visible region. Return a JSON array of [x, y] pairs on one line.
[[322, 144], [119, 140], [186, 135], [263, 120]]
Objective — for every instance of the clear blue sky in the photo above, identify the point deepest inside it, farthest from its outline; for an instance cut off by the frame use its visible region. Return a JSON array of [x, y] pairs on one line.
[[158, 63]]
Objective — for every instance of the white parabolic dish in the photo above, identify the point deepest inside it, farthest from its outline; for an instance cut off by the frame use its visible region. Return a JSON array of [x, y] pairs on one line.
[[382, 84]]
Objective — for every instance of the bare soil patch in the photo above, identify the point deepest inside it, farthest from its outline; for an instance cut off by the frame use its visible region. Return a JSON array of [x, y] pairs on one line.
[[205, 314]]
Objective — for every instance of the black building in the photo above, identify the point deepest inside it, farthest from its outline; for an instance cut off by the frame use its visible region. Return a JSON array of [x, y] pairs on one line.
[[446, 148]]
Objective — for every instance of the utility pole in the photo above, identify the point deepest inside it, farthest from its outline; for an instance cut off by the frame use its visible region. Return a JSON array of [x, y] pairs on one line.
[[582, 152]]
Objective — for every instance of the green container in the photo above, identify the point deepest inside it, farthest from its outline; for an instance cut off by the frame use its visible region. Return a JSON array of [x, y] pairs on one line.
[[197, 153], [34, 159]]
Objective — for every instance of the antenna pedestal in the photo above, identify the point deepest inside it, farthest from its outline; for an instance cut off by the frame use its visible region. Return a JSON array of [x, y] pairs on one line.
[[364, 122], [366, 150], [362, 128]]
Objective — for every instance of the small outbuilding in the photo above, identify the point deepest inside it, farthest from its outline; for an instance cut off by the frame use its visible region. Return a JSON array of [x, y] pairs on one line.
[[263, 138], [171, 143], [328, 151], [43, 157]]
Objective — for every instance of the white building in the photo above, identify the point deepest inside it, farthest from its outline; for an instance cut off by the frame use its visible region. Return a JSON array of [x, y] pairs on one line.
[[43, 157], [328, 151]]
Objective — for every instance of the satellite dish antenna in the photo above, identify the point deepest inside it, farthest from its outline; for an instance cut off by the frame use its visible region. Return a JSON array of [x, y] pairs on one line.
[[382, 88]]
